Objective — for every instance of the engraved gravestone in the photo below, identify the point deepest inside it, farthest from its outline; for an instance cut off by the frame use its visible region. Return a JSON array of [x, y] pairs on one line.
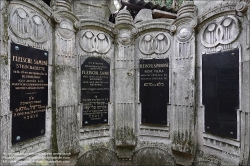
[[154, 90], [95, 83], [220, 89], [28, 92]]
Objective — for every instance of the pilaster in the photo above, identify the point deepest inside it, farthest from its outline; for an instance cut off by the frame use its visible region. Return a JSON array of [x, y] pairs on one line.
[[65, 81], [125, 139], [183, 85]]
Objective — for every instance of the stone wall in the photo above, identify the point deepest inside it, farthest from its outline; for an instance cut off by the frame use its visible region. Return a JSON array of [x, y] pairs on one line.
[[74, 31]]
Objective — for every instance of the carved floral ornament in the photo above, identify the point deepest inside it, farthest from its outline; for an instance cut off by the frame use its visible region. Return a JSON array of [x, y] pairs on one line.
[[225, 30], [150, 44], [28, 25], [95, 42]]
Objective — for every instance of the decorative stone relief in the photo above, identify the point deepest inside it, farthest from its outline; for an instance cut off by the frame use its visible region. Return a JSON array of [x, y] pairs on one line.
[[223, 30], [227, 146], [241, 8], [125, 32], [66, 38], [150, 44], [95, 42], [184, 36], [27, 24]]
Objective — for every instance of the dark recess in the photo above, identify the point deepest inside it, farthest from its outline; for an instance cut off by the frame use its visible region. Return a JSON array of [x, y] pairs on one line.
[[47, 2]]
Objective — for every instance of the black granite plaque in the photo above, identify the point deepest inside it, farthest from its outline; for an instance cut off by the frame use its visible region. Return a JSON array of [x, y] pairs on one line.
[[95, 83], [154, 90], [28, 92], [220, 90]]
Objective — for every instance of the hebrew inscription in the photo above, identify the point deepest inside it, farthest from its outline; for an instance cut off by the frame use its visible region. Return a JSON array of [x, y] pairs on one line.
[[95, 82], [154, 90], [28, 92]]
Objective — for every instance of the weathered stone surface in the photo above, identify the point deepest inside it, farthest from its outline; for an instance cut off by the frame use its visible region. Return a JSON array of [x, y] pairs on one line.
[[99, 156], [72, 31], [152, 156], [143, 15]]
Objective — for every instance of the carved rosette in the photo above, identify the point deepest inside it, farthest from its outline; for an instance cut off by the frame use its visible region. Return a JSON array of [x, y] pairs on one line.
[[26, 25], [158, 44], [97, 42], [220, 33]]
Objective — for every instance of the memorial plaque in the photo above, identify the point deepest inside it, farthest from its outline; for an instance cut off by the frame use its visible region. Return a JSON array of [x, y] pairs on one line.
[[28, 92], [95, 83], [154, 90], [220, 90]]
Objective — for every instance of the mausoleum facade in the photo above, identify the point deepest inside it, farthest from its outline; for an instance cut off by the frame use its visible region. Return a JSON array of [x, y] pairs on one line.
[[147, 84]]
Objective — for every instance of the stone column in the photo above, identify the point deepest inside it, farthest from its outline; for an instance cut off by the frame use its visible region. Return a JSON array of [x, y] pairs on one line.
[[183, 86], [65, 82], [125, 139]]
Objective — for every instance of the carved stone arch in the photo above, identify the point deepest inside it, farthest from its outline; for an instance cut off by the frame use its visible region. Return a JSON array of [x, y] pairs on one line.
[[38, 5], [153, 156], [98, 156], [106, 27], [222, 9]]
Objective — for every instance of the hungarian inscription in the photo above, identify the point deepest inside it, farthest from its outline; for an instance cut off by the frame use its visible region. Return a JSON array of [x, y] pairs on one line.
[[220, 90], [95, 83], [28, 92], [154, 90]]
